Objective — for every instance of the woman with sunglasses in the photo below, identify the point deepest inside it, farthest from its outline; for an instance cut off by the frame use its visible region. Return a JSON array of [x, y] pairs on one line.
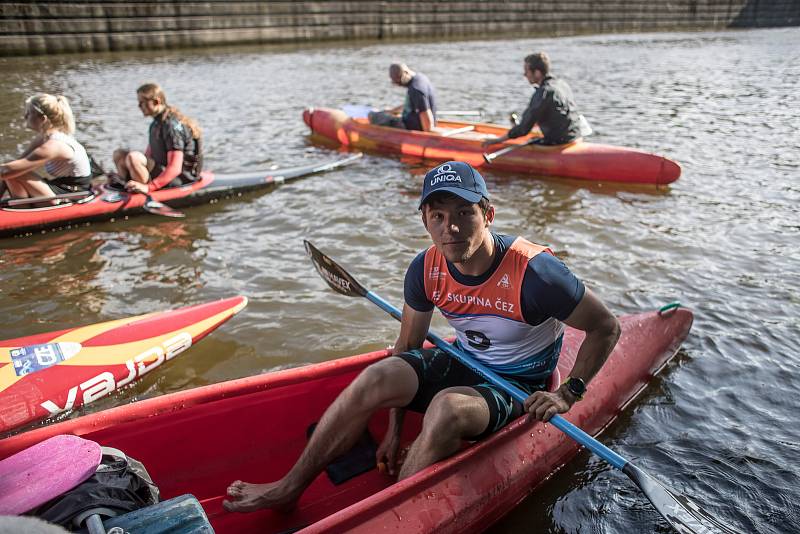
[[54, 162]]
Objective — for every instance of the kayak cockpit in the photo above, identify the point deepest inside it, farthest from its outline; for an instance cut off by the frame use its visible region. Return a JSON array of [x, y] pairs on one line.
[[30, 204]]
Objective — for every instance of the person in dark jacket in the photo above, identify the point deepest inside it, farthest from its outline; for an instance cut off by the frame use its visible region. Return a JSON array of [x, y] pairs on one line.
[[552, 107]]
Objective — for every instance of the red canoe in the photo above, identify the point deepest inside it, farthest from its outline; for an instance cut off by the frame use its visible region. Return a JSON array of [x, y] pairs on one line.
[[578, 160], [103, 203], [47, 374], [198, 441]]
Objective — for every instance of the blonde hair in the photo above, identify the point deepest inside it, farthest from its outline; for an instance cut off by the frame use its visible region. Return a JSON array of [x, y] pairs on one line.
[[55, 109], [153, 91]]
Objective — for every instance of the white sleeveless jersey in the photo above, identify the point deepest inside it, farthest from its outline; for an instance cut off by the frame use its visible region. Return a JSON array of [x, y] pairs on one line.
[[75, 167]]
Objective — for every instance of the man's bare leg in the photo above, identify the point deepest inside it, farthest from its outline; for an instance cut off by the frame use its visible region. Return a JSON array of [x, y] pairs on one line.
[[29, 186], [119, 162], [386, 384], [16, 190], [136, 163], [454, 414]]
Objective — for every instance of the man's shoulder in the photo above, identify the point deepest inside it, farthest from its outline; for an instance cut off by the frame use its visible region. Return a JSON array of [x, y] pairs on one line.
[[419, 76], [420, 82], [420, 257], [174, 124], [504, 241], [417, 265], [554, 83]]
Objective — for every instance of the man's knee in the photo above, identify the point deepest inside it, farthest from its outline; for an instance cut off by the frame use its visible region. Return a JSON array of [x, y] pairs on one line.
[[445, 411], [385, 383], [453, 414], [119, 155], [136, 159]]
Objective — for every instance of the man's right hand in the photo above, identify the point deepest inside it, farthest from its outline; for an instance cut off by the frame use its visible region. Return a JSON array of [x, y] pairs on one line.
[[388, 451], [136, 187]]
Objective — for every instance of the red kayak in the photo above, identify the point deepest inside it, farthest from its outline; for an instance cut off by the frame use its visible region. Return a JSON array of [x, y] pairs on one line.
[[104, 203], [454, 140], [46, 374], [198, 441]]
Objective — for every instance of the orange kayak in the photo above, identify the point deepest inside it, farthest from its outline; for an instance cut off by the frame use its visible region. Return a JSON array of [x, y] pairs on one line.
[[198, 441], [456, 140]]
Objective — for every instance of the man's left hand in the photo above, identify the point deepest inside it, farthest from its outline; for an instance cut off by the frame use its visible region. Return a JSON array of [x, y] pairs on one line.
[[545, 404], [136, 187]]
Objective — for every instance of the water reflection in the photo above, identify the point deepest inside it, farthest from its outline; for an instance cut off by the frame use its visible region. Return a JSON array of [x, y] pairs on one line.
[[44, 275]]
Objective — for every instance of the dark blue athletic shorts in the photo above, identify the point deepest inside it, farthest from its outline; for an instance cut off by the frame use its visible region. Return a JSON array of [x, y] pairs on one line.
[[436, 371]]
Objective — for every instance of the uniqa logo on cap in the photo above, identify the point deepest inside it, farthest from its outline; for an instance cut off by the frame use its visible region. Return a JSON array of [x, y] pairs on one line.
[[445, 173]]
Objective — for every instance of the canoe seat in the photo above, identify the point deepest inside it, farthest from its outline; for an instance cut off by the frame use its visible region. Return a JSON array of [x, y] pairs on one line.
[[180, 515], [359, 459], [461, 132]]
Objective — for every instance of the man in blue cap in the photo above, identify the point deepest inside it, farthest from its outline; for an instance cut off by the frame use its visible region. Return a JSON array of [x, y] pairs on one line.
[[507, 300]]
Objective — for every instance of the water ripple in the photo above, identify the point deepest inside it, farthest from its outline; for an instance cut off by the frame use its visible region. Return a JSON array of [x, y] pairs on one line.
[[719, 424]]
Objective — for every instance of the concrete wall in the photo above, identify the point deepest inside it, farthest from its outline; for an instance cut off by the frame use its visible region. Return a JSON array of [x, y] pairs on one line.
[[29, 28]]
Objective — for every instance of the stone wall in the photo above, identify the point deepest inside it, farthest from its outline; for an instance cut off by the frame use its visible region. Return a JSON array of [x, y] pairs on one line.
[[29, 28]]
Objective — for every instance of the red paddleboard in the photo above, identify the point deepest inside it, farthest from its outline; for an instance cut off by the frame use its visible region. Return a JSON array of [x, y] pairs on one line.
[[44, 471], [46, 374]]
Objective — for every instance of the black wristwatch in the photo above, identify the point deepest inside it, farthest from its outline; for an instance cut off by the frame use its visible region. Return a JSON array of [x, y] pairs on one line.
[[576, 386]]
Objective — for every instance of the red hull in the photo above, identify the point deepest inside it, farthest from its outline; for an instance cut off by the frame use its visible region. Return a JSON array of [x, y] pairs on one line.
[[579, 160], [110, 356], [198, 441], [109, 204], [22, 220]]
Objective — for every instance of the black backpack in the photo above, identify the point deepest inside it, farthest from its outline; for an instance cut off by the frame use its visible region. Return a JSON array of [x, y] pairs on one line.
[[120, 485]]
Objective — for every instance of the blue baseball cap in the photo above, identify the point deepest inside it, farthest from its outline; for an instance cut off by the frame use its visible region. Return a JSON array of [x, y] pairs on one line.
[[455, 177]]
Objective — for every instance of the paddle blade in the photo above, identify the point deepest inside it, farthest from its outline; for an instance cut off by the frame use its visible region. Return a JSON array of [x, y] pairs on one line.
[[584, 126], [158, 208], [337, 278], [683, 515]]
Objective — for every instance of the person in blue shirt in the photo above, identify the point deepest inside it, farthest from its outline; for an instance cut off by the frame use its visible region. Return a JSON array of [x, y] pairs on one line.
[[418, 112]]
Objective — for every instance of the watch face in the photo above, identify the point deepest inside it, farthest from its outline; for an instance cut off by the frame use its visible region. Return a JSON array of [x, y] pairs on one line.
[[576, 386]]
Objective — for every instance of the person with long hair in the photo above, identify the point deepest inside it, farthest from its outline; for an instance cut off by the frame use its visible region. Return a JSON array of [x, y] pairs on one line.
[[54, 163], [174, 152]]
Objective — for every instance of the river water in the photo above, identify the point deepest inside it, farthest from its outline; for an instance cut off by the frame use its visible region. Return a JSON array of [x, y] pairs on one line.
[[720, 423]]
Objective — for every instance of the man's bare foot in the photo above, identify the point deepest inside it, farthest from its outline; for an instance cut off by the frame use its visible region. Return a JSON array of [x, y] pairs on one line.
[[245, 497]]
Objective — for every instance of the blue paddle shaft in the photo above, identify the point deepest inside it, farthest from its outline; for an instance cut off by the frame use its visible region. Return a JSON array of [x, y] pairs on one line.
[[557, 421]]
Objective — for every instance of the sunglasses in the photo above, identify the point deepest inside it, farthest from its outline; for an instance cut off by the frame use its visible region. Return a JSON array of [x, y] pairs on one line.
[[36, 108]]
